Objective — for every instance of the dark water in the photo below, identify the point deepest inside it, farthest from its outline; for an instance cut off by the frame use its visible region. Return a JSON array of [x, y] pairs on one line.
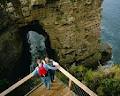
[[111, 26]]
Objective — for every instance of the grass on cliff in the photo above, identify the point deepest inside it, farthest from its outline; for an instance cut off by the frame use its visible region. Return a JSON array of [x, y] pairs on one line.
[[104, 81]]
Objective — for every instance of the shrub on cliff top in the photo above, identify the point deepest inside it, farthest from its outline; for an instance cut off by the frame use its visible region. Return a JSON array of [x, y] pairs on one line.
[[104, 81], [109, 87]]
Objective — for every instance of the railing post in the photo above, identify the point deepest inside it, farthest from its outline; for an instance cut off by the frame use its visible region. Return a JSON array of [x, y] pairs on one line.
[[70, 83]]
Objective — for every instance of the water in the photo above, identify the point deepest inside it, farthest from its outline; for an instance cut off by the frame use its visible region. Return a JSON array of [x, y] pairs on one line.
[[37, 46], [111, 26]]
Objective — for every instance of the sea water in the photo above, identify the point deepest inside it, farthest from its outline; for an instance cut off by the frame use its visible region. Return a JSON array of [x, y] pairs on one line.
[[110, 25]]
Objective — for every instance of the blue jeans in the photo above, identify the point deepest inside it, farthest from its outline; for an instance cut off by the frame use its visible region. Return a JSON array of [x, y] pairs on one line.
[[46, 81]]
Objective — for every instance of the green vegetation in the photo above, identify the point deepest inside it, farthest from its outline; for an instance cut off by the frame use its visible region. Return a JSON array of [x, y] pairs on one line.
[[109, 86], [62, 78], [104, 81]]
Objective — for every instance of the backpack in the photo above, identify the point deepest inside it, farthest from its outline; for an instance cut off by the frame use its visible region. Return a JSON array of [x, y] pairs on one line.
[[42, 71]]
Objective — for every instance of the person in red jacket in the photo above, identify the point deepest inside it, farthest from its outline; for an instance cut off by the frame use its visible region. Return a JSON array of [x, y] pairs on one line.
[[46, 78]]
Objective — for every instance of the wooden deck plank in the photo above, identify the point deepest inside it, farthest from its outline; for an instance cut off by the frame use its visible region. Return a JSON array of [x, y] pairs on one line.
[[57, 89]]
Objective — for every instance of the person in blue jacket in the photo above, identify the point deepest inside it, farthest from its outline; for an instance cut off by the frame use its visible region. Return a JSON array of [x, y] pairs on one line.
[[46, 79], [51, 63]]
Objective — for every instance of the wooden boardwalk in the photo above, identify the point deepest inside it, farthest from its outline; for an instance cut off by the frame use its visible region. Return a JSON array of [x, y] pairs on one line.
[[57, 89]]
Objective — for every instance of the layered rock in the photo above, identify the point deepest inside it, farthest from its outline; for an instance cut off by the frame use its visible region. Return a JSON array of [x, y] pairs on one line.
[[73, 27]]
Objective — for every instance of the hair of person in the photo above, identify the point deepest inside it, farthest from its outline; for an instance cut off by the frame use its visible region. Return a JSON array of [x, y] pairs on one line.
[[37, 58]]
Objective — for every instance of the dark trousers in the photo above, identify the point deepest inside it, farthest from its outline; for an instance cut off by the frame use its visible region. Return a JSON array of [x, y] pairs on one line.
[[52, 74]]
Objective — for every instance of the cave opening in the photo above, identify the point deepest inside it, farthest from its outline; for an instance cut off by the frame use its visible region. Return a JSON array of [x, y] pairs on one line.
[[23, 68], [26, 58]]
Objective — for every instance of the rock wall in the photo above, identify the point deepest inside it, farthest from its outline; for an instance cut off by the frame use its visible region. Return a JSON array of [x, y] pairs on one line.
[[10, 52], [73, 27], [10, 45]]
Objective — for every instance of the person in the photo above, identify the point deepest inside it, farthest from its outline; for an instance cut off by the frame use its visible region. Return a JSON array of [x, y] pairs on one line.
[[52, 63], [45, 79]]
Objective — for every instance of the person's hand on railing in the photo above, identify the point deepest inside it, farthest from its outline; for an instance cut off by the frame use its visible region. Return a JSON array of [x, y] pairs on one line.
[[55, 63], [57, 66], [51, 59]]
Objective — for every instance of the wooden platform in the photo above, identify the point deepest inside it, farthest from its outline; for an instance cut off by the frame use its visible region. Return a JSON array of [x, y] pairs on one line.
[[57, 89]]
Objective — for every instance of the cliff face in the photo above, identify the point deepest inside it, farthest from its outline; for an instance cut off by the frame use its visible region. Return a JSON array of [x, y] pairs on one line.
[[10, 52], [73, 26]]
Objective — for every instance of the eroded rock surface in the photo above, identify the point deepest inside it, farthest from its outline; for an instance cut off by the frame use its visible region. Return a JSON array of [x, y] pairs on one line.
[[73, 27]]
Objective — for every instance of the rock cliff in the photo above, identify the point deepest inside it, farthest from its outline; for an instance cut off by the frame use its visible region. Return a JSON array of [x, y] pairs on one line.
[[73, 27]]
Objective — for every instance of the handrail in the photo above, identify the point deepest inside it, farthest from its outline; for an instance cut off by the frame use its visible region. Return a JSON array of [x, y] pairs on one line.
[[71, 78], [77, 82], [16, 85]]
